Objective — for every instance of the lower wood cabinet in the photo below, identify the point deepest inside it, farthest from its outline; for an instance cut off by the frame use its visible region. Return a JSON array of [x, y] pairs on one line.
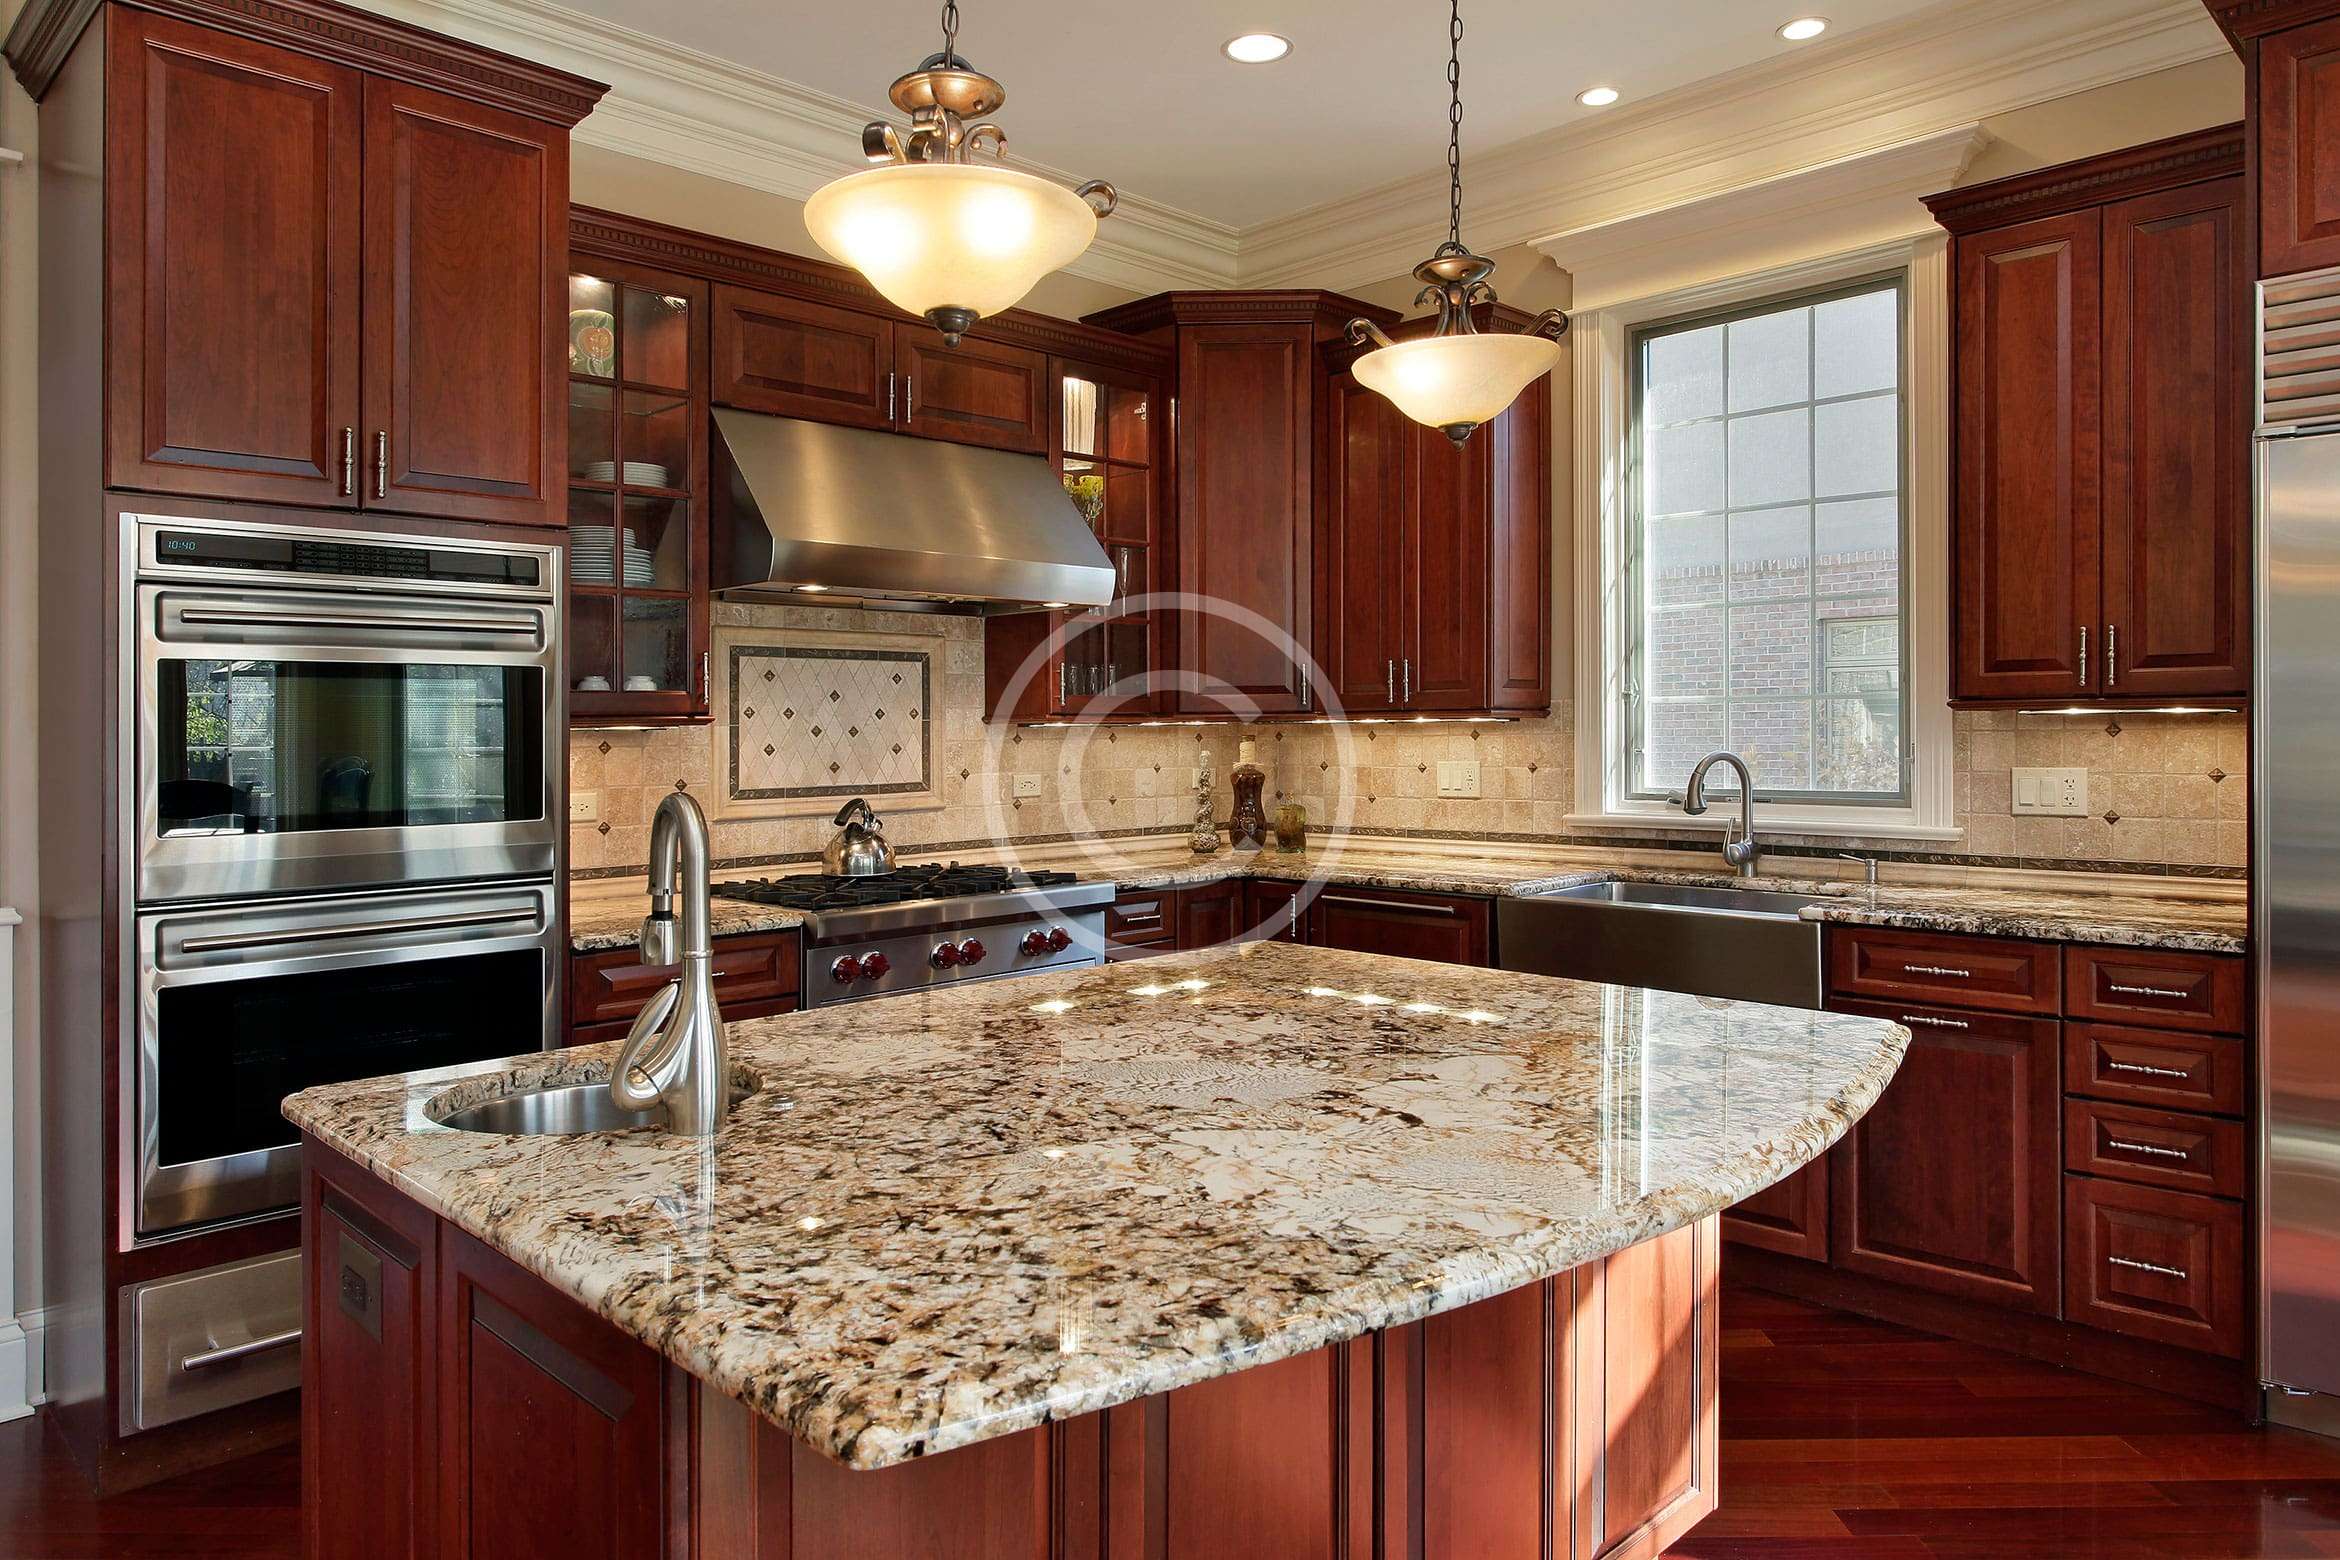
[[1210, 913], [1447, 928], [756, 974], [2162, 1265], [1141, 922], [1272, 910], [1949, 1183], [1789, 1217]]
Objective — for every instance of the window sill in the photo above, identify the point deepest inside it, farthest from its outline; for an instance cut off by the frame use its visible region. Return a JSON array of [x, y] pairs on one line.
[[1772, 820]]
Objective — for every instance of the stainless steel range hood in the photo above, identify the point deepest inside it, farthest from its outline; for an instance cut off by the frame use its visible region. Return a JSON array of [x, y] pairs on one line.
[[855, 513]]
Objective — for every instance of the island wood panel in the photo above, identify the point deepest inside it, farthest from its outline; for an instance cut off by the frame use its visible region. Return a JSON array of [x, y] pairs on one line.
[[466, 283], [1949, 1183], [2026, 528], [2298, 87], [232, 186], [2177, 550]]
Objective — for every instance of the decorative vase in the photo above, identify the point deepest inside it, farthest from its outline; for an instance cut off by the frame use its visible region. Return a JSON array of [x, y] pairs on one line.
[[1247, 824], [1205, 838], [1291, 827]]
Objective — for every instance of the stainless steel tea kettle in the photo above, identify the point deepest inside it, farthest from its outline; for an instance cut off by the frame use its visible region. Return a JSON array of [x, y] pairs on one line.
[[860, 848]]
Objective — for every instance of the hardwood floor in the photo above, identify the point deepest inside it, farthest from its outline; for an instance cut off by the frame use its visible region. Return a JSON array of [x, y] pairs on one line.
[[1848, 1439], [1843, 1439]]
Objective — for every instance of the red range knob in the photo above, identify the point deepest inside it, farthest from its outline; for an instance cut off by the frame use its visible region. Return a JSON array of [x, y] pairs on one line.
[[847, 969], [944, 956], [971, 952], [1035, 943], [874, 966], [1059, 939]]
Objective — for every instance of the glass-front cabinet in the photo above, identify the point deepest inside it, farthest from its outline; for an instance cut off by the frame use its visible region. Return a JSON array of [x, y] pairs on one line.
[[637, 493], [1110, 433]]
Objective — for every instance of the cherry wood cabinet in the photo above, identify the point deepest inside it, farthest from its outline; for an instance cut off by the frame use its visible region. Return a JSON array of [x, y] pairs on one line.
[[1447, 928], [797, 357], [2100, 547], [1209, 914], [327, 285], [1141, 921], [2162, 1265], [2295, 88], [1433, 561], [1789, 1217], [1272, 909], [756, 974]]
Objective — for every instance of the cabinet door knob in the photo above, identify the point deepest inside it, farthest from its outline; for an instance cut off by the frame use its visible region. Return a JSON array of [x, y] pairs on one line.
[[348, 461], [382, 464]]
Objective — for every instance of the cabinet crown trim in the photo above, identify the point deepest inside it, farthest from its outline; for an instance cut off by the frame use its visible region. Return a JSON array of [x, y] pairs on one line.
[[2244, 20], [46, 31], [1280, 305], [2091, 181]]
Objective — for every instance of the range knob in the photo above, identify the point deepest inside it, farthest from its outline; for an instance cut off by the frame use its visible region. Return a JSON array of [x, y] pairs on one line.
[[1059, 939], [1035, 943], [847, 969], [944, 956], [971, 952], [874, 966]]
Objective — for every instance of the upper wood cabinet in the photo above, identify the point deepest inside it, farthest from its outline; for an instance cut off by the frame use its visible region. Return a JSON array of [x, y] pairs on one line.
[[1253, 395], [1434, 561], [2297, 86], [795, 357], [2100, 543], [327, 285]]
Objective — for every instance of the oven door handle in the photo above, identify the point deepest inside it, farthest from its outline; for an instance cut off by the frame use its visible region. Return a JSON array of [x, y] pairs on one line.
[[350, 929], [244, 617]]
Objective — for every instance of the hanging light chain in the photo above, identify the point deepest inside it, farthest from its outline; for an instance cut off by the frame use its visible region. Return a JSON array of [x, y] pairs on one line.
[[1454, 124], [950, 21]]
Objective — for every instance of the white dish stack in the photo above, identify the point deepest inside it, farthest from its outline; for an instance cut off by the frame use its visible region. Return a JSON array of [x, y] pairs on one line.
[[593, 557]]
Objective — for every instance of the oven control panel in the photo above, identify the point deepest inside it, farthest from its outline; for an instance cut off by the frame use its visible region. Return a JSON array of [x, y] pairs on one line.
[[916, 961]]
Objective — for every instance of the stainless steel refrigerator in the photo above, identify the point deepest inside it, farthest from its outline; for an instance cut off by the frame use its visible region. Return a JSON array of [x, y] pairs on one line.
[[2295, 773]]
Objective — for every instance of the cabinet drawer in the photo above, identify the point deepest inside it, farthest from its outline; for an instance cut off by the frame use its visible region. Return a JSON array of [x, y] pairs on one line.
[[2154, 1264], [2154, 1147], [1142, 920], [750, 971], [2152, 1067], [1983, 972], [2145, 986]]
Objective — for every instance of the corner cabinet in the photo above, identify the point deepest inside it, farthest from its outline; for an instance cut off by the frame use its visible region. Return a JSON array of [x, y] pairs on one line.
[[326, 285], [2100, 495]]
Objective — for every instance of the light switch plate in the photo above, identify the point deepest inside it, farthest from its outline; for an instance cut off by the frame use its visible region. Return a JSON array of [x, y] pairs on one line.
[[1027, 785], [584, 806], [2051, 793], [1458, 777]]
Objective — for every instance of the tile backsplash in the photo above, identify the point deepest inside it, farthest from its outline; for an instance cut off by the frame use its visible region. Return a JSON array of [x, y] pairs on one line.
[[2166, 793]]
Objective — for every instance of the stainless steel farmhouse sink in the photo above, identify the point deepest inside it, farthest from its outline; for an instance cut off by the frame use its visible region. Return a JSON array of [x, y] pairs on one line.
[[1712, 942]]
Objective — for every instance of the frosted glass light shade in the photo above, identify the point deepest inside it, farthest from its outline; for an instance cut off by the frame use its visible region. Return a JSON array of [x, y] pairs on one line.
[[950, 235], [1459, 381]]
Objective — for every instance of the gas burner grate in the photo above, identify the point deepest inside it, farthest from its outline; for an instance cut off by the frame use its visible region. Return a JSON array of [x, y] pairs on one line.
[[824, 891]]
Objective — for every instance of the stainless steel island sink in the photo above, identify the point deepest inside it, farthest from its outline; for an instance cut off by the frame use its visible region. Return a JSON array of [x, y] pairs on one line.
[[1745, 943], [559, 1111]]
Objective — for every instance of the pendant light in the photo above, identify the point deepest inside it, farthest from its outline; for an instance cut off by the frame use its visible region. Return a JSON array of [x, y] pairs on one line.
[[938, 232], [1458, 376]]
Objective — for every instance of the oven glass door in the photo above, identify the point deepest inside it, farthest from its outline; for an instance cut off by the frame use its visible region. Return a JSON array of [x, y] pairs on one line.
[[245, 1006], [291, 743]]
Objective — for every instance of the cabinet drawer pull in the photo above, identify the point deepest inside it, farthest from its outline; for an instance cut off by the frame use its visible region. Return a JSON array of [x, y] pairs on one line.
[[1937, 969], [2147, 1267], [1935, 1023], [2149, 991], [1389, 681], [348, 461], [2084, 655], [1385, 904], [1406, 678], [382, 465], [2127, 1147], [2147, 1068], [2112, 655]]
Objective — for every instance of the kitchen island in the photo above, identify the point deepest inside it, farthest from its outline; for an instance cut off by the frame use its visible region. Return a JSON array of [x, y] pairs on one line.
[[1269, 1250]]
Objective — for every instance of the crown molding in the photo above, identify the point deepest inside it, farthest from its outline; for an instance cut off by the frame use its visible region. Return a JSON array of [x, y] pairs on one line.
[[1929, 74], [1834, 208], [686, 109], [2092, 181]]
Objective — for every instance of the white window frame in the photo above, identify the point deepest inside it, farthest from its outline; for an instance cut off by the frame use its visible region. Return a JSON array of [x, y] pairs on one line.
[[1602, 348]]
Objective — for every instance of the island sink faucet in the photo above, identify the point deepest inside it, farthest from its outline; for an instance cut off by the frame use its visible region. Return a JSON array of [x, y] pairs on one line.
[[674, 1057], [1739, 847]]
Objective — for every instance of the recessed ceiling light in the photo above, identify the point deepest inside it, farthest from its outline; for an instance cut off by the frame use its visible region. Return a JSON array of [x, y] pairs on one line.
[[1256, 48], [1597, 97], [1804, 27]]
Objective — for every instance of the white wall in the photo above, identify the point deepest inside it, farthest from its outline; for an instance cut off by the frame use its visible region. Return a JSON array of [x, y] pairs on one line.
[[19, 691]]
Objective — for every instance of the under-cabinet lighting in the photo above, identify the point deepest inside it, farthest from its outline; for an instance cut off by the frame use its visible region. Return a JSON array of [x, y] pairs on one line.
[[810, 590], [2135, 709]]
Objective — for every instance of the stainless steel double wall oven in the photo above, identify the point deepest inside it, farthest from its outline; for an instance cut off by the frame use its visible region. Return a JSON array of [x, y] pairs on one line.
[[345, 838]]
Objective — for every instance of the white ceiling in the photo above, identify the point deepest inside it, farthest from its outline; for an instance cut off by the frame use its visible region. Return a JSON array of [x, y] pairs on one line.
[[1137, 92]]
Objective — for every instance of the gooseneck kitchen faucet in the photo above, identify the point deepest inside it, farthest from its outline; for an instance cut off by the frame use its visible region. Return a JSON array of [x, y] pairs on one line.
[[675, 1055], [1740, 851]]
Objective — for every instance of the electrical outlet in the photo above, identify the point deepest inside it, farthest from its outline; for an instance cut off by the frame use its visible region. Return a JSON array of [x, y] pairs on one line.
[[2051, 793], [1458, 777], [584, 806], [1027, 785]]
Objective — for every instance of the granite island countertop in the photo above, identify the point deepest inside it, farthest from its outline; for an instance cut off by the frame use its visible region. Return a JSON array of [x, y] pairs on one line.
[[957, 1214], [2122, 911]]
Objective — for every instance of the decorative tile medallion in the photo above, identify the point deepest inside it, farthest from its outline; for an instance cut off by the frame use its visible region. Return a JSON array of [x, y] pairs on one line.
[[872, 737]]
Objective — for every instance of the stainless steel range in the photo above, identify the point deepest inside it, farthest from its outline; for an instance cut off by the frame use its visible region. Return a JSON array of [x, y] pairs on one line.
[[921, 927]]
